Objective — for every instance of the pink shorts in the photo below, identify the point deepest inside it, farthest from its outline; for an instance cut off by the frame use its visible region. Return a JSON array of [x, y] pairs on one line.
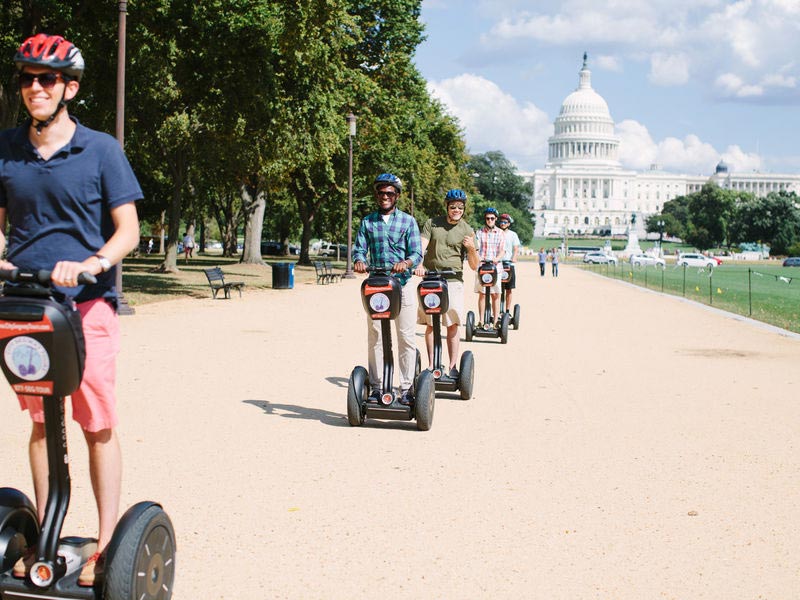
[[94, 402]]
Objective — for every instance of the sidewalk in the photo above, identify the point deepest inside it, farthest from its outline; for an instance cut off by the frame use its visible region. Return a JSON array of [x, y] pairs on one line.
[[622, 445]]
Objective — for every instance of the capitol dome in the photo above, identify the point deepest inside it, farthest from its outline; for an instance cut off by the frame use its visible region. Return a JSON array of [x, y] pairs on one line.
[[584, 129]]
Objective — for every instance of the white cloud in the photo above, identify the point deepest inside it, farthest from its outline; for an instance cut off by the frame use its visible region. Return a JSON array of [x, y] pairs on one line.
[[690, 155], [741, 161], [494, 120], [669, 69], [733, 86], [680, 39], [609, 63]]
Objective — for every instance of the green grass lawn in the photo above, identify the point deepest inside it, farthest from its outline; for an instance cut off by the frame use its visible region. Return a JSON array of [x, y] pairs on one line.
[[767, 292]]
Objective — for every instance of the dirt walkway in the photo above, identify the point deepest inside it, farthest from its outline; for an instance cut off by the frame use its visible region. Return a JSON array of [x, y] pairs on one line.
[[621, 445]]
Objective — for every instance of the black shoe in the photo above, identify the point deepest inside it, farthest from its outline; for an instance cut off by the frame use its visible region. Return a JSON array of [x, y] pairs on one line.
[[375, 396], [453, 374], [406, 398]]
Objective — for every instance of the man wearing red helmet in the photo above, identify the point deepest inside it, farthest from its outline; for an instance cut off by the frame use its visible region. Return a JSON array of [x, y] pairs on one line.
[[511, 252], [80, 217]]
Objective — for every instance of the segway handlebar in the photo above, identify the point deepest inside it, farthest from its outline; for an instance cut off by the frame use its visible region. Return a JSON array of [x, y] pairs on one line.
[[439, 272], [42, 276]]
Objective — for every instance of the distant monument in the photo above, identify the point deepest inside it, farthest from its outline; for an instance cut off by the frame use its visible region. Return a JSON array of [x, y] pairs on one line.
[[632, 247]]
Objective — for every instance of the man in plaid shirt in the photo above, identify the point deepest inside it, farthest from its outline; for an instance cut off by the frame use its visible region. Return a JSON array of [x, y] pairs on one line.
[[490, 242], [391, 238]]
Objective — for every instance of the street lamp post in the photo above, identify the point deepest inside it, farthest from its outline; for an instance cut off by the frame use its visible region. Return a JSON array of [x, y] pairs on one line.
[[348, 274], [122, 304], [660, 236]]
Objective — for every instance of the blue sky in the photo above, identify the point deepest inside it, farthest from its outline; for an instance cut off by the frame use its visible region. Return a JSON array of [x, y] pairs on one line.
[[687, 81]]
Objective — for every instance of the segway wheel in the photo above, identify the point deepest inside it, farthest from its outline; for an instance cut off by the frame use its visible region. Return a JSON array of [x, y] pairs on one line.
[[515, 321], [504, 328], [424, 397], [142, 566], [470, 325], [466, 375], [357, 393], [19, 528]]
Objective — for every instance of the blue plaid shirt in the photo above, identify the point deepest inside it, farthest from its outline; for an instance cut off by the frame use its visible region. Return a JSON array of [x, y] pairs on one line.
[[389, 243]]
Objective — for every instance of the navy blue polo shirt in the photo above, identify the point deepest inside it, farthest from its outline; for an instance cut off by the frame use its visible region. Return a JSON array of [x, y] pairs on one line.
[[59, 209]]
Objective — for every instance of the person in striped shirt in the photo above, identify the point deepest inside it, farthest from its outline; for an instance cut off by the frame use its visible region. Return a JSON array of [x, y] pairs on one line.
[[391, 239], [490, 242]]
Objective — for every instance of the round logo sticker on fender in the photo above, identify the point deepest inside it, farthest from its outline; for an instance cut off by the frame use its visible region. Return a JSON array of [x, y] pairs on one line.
[[26, 358], [432, 300], [379, 302], [486, 278]]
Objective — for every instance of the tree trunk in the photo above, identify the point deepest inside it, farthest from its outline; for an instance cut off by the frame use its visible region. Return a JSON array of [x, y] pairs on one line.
[[253, 205]]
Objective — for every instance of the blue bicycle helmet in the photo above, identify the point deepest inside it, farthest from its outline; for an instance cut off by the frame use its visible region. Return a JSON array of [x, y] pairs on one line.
[[388, 179], [455, 194], [490, 211]]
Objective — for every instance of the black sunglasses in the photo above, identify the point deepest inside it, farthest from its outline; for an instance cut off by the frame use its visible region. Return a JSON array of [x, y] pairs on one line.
[[46, 80]]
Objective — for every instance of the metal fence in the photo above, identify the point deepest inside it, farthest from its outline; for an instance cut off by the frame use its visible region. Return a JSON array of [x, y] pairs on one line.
[[770, 293]]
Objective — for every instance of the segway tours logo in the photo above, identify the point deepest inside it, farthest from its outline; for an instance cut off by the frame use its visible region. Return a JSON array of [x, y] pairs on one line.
[[432, 301], [487, 277], [379, 302], [26, 358]]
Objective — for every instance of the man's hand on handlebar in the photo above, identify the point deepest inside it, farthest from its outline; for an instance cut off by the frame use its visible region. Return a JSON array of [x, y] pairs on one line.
[[360, 267], [401, 267], [66, 272]]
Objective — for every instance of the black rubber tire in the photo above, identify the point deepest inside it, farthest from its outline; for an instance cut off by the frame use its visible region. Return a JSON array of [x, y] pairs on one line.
[[143, 564], [504, 329], [515, 320], [19, 527], [357, 392], [466, 375], [424, 399], [470, 326]]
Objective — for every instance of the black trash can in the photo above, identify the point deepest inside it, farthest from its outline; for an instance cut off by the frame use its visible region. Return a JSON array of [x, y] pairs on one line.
[[283, 276]]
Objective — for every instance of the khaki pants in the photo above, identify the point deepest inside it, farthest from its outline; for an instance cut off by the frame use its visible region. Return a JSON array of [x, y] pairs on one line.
[[404, 342]]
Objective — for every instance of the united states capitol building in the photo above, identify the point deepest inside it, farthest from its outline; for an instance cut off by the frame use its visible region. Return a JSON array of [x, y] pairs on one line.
[[583, 188]]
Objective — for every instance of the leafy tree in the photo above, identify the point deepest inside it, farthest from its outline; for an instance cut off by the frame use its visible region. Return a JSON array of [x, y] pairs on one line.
[[497, 180], [710, 211], [773, 220]]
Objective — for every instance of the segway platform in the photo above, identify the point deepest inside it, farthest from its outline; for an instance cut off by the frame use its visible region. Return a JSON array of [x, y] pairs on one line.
[[42, 353], [382, 298], [487, 272]]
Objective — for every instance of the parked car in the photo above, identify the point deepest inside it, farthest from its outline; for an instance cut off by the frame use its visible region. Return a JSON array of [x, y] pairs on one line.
[[638, 260], [599, 258], [273, 248], [696, 260], [792, 261], [329, 249]]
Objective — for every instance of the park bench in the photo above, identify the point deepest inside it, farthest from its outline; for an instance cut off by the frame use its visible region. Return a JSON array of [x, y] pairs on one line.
[[332, 276], [324, 274], [216, 279]]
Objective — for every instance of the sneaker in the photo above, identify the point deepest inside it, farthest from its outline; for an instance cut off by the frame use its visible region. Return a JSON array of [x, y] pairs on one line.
[[92, 571], [453, 374], [406, 398], [24, 563], [375, 396]]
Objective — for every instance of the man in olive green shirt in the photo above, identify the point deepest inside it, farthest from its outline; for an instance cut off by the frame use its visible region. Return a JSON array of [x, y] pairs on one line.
[[446, 242]]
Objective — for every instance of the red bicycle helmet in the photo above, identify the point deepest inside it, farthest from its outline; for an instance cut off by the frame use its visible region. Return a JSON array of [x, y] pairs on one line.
[[50, 51]]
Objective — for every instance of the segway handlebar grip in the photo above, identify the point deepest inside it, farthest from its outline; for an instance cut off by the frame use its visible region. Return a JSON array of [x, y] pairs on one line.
[[42, 276]]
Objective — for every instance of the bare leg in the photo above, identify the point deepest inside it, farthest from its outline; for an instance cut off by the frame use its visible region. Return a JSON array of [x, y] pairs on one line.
[[429, 344], [452, 344], [37, 453], [481, 306], [495, 305], [105, 467]]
